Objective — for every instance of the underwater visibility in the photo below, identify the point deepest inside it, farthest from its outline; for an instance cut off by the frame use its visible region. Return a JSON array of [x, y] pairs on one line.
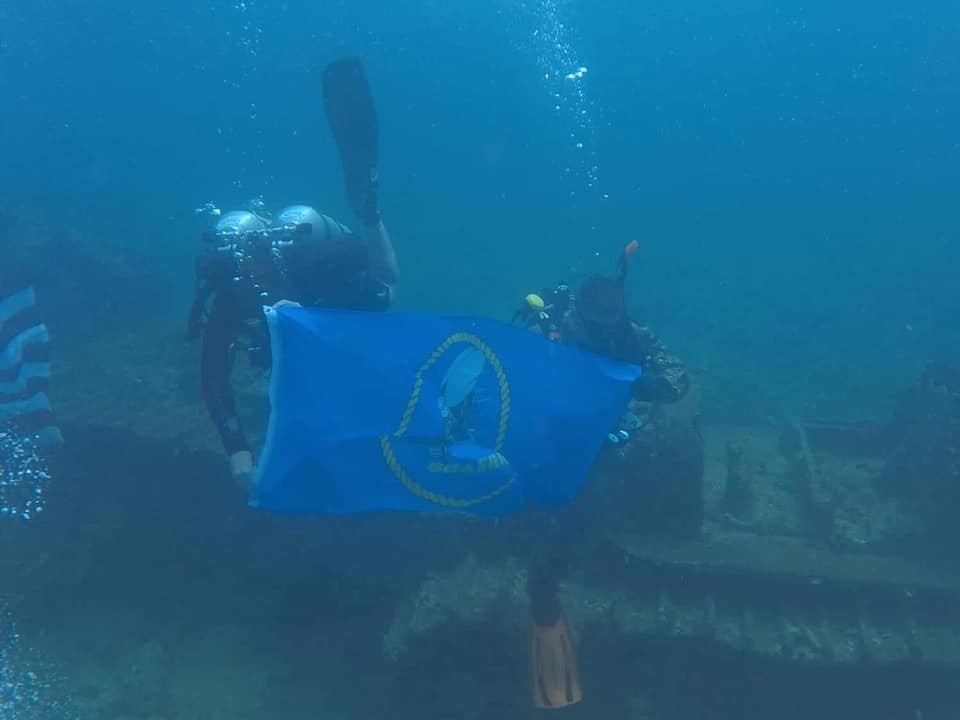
[[495, 360]]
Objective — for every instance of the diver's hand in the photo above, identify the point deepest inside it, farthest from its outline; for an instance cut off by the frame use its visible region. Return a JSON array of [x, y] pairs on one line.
[[241, 468], [285, 303]]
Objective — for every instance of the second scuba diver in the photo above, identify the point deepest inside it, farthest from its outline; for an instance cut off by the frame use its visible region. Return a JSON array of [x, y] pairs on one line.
[[652, 468]]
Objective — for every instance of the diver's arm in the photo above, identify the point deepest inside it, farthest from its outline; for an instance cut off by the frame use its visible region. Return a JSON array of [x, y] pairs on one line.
[[215, 376], [665, 379], [383, 257]]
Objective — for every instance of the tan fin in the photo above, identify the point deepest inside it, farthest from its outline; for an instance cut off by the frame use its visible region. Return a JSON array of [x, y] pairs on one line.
[[554, 674]]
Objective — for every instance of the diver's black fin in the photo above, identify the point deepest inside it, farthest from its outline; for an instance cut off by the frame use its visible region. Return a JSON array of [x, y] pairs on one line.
[[353, 121]]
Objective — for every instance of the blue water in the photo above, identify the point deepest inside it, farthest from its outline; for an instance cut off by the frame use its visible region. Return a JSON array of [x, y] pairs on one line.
[[789, 168]]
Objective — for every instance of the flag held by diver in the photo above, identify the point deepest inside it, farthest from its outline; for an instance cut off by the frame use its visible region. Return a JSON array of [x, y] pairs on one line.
[[396, 411]]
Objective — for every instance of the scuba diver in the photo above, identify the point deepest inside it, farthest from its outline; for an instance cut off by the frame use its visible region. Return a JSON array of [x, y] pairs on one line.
[[301, 257], [651, 469], [305, 258]]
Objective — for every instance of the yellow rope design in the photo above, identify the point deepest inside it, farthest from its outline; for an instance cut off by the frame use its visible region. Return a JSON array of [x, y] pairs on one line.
[[491, 462]]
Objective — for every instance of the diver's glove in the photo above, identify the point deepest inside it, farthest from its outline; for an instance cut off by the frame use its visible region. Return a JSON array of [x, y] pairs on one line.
[[365, 204], [654, 388]]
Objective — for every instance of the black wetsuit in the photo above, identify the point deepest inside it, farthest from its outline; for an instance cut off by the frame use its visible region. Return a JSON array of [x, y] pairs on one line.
[[333, 273]]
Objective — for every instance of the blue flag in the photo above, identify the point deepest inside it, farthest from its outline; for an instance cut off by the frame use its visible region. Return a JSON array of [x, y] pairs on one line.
[[396, 411]]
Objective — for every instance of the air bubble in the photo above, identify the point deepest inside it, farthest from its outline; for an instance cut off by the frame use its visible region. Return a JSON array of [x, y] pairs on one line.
[[565, 77], [24, 694], [246, 34], [23, 475]]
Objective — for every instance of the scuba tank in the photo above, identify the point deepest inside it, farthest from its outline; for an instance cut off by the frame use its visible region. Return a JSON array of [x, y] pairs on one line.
[[218, 263], [241, 254]]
